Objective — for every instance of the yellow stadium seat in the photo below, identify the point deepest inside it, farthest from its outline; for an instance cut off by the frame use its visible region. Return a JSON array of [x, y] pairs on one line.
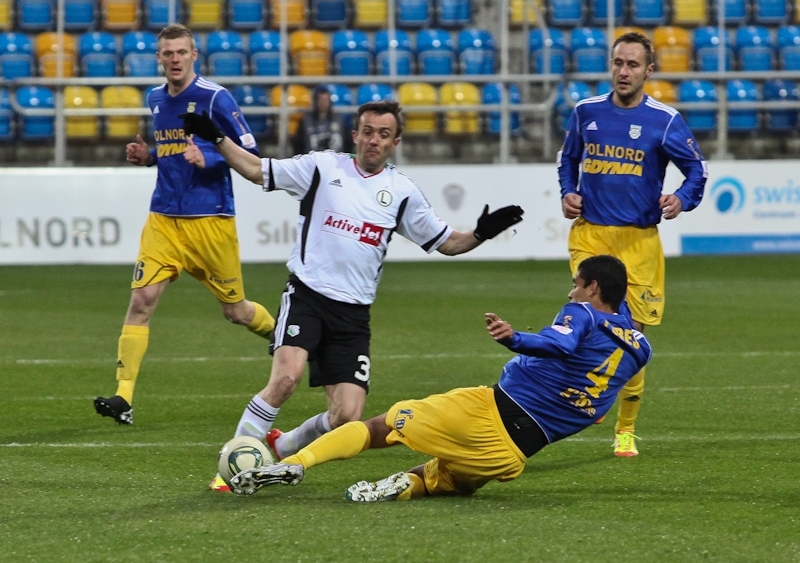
[[371, 13], [413, 94], [205, 14], [6, 15], [309, 52], [120, 126], [689, 12], [661, 90], [81, 97], [297, 96], [673, 48], [48, 56], [460, 94], [796, 11], [121, 14], [521, 9], [296, 13]]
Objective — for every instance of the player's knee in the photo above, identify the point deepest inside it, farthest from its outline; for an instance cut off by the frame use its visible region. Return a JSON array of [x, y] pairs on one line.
[[344, 414]]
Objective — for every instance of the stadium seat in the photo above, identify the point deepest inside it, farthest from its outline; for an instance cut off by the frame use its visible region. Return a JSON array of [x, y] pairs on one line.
[[265, 53], [781, 91], [689, 12], [36, 127], [247, 14], [98, 54], [737, 12], [373, 93], [253, 96], [148, 120], [404, 53], [342, 96], [648, 12], [600, 12], [523, 12], [454, 13], [370, 14], [352, 53], [569, 13], [157, 13], [120, 14], [492, 94], [35, 15], [205, 14], [82, 97], [296, 13], [139, 53], [6, 117], [225, 54], [706, 49], [589, 49], [770, 11], [413, 13], [413, 94], [789, 47], [754, 48], [6, 15], [604, 87], [742, 91], [435, 52], [558, 51], [330, 13], [310, 52], [476, 51], [121, 126], [460, 94], [80, 15], [704, 120], [661, 90], [16, 56], [48, 54], [620, 31], [673, 48], [566, 98], [297, 96]]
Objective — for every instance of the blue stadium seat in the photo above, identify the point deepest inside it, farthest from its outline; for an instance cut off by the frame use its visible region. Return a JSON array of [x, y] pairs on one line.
[[476, 49], [265, 53], [589, 50], [6, 117], [737, 12], [781, 91], [374, 93], [247, 14], [603, 87], [755, 48], [706, 49], [157, 13], [139, 53], [558, 51], [253, 96], [16, 56], [742, 91], [454, 13], [567, 12], [491, 93], [600, 12], [80, 14], [770, 11], [698, 91], [329, 13], [789, 47], [36, 15], [566, 98], [648, 12], [351, 52], [413, 13], [404, 52], [34, 128], [435, 52], [98, 54], [225, 55], [342, 96]]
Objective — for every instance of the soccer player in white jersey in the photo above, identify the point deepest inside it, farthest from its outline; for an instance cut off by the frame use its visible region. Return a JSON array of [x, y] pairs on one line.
[[350, 206]]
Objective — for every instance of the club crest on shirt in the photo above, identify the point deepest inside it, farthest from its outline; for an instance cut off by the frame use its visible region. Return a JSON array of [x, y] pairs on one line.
[[401, 418], [191, 107], [635, 131], [384, 198], [293, 330]]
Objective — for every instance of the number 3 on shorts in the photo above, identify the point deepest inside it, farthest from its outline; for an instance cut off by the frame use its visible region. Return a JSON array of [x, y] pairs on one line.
[[363, 373]]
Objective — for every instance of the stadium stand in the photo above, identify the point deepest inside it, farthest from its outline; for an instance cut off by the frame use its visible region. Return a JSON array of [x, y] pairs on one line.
[[373, 93], [247, 14], [788, 42], [36, 15], [330, 13], [599, 10], [673, 47], [558, 51], [460, 94], [120, 14], [699, 121], [265, 53], [6, 15], [310, 52], [454, 13], [523, 12], [661, 90], [492, 94], [36, 127], [755, 49], [370, 14], [139, 54], [98, 54], [567, 13], [737, 12], [476, 51], [80, 15], [352, 52], [297, 96], [689, 12], [82, 127], [16, 56], [120, 126], [413, 13], [47, 54], [589, 49], [225, 54], [435, 52], [253, 96], [296, 14], [648, 12], [412, 94], [706, 49], [6, 117], [205, 14], [781, 91], [567, 96], [742, 91], [770, 11]]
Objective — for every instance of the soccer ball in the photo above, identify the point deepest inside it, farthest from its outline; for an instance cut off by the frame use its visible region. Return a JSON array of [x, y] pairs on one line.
[[240, 453]]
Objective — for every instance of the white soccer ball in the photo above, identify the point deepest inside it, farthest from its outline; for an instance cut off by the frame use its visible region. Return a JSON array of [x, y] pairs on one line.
[[240, 453]]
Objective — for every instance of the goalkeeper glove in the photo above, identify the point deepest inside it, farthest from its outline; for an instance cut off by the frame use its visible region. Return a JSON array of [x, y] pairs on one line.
[[202, 126], [492, 224]]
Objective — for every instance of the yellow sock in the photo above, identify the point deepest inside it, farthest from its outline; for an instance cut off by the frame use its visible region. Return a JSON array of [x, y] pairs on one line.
[[262, 323], [130, 351], [416, 490], [630, 399], [344, 442]]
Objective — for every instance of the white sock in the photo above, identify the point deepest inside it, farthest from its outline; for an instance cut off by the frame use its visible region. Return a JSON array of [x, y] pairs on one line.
[[295, 440], [257, 419]]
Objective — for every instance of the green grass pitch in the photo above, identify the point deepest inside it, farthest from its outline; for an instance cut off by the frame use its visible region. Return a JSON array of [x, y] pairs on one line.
[[718, 478]]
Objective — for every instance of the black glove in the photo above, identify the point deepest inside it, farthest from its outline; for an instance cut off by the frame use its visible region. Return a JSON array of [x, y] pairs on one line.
[[202, 126], [492, 224]]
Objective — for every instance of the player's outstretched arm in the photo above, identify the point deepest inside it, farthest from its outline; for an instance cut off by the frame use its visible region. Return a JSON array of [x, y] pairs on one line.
[[489, 226], [497, 327]]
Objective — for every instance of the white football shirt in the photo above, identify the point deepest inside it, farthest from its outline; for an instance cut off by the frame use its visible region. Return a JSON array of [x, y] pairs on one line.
[[347, 219]]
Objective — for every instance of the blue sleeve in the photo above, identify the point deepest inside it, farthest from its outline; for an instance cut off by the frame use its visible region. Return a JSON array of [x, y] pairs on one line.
[[228, 117], [569, 157], [154, 156], [681, 147], [559, 340]]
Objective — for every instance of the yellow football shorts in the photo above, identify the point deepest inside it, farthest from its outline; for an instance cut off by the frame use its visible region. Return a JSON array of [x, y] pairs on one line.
[[639, 249], [463, 432], [206, 247]]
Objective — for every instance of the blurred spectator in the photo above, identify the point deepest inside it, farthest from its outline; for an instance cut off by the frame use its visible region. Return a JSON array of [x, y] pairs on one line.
[[321, 129]]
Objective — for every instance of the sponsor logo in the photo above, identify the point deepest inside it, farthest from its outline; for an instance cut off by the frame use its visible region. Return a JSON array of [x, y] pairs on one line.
[[562, 329], [156, 110], [232, 293], [384, 198], [728, 195], [120, 364], [293, 330], [337, 182], [592, 126], [191, 107], [454, 196], [401, 418], [352, 228], [215, 279], [649, 297], [635, 132], [247, 140], [654, 313]]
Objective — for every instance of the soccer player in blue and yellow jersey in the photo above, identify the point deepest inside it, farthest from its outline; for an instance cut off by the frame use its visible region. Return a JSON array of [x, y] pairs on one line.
[[191, 225], [565, 377], [611, 170]]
